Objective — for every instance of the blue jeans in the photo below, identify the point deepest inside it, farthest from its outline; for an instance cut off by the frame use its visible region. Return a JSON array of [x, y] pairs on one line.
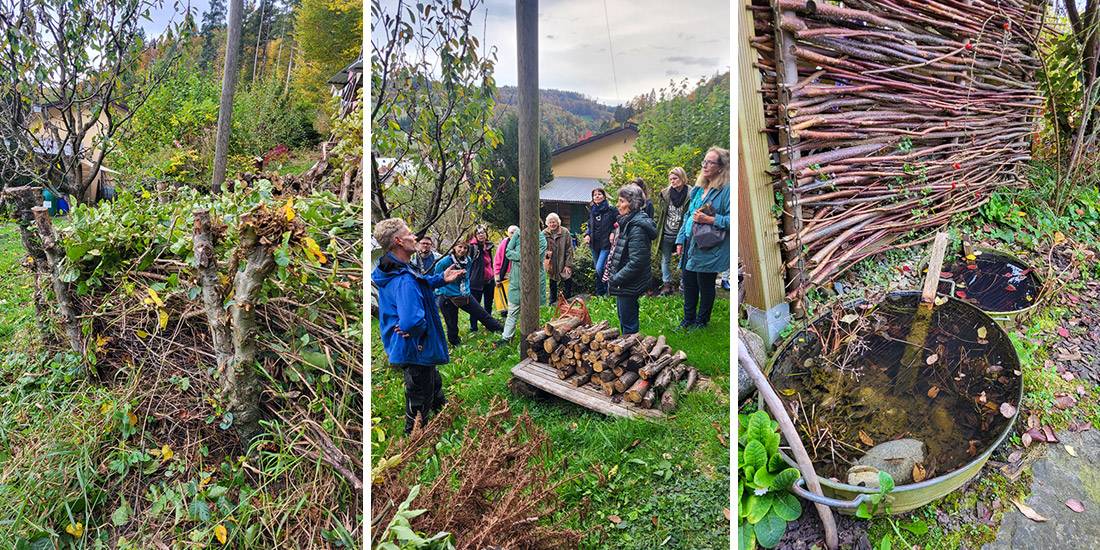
[[666, 261], [601, 263], [627, 307]]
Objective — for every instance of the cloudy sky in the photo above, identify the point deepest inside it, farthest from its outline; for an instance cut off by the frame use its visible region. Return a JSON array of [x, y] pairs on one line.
[[653, 41]]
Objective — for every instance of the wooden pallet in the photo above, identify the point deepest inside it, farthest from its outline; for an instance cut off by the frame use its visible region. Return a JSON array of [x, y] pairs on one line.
[[545, 378]]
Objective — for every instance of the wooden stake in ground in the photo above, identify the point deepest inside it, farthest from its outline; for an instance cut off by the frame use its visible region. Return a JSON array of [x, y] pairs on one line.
[[914, 354], [229, 87]]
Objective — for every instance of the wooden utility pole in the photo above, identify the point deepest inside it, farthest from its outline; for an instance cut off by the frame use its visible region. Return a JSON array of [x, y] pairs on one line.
[[527, 40], [229, 87]]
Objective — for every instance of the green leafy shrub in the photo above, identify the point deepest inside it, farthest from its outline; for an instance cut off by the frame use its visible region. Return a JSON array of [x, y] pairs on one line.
[[765, 502]]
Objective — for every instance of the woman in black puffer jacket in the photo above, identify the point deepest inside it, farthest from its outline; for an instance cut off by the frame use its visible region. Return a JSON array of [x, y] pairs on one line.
[[628, 272]]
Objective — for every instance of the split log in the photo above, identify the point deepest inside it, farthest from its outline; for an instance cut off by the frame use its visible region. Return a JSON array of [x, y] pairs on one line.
[[659, 348], [549, 344], [648, 400], [637, 391], [692, 378], [668, 401], [625, 381]]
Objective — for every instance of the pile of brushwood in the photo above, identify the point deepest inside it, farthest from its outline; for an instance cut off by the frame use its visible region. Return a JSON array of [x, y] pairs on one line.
[[640, 369], [490, 493], [237, 320]]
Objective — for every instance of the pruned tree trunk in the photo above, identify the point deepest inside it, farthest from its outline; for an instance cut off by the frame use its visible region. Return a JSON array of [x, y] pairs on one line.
[[213, 296], [70, 322]]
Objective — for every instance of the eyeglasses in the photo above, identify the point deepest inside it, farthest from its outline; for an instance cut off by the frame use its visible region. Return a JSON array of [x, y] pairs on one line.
[[711, 163]]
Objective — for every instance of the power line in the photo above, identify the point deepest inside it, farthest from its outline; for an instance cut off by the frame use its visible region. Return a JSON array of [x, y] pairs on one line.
[[611, 48]]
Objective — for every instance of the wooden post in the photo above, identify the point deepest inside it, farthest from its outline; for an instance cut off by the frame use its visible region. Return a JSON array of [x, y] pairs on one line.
[[229, 86], [757, 230], [527, 40], [65, 302], [786, 69]]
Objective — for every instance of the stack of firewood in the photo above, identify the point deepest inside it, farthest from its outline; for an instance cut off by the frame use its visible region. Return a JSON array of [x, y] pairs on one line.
[[641, 369]]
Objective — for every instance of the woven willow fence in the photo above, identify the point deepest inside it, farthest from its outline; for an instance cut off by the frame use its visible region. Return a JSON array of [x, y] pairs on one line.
[[888, 118]]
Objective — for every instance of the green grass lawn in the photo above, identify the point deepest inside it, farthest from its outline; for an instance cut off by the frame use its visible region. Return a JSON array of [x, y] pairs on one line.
[[670, 489], [16, 292]]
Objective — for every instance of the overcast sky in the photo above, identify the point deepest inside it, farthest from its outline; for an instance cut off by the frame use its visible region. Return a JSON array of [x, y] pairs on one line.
[[653, 41]]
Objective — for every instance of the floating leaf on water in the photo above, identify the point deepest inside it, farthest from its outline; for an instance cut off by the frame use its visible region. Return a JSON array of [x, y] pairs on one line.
[[933, 392], [1010, 288], [919, 473], [982, 332], [971, 257], [971, 267], [931, 360], [982, 398], [849, 318], [1008, 410], [972, 447], [866, 439], [939, 301], [1028, 511], [960, 294], [788, 392], [1075, 505], [1070, 450], [946, 274]]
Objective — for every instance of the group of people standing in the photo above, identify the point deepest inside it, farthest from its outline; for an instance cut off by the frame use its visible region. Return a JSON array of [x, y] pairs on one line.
[[416, 284], [693, 227]]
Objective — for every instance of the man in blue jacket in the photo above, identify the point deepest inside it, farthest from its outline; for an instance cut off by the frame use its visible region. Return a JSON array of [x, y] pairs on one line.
[[412, 333]]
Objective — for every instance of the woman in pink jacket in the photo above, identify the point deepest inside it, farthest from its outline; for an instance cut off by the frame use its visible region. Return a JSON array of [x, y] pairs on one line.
[[501, 265]]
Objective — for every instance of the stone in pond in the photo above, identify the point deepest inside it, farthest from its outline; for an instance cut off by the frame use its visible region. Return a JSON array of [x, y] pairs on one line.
[[896, 458]]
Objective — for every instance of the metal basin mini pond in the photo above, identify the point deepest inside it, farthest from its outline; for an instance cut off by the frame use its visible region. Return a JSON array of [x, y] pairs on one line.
[[955, 320], [996, 281]]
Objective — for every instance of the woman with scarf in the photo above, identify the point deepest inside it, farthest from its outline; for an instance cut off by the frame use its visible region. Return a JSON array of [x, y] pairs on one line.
[[704, 240], [481, 271], [456, 295], [673, 204], [601, 217]]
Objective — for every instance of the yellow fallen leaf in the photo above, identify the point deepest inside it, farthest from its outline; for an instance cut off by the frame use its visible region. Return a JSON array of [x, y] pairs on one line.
[[166, 453], [105, 408], [919, 473], [314, 250], [971, 257], [156, 298], [162, 318], [866, 439], [75, 529], [1028, 511], [288, 209], [220, 533], [133, 419], [982, 332], [1022, 214], [145, 194], [1059, 237], [141, 333]]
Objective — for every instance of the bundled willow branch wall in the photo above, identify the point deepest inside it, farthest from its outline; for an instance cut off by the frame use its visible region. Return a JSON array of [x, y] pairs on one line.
[[888, 118]]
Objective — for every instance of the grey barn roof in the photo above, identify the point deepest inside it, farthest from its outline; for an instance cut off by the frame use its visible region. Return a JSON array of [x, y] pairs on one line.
[[569, 189]]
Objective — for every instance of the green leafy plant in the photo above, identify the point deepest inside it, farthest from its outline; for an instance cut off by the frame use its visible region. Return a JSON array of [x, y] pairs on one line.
[[766, 503], [400, 535]]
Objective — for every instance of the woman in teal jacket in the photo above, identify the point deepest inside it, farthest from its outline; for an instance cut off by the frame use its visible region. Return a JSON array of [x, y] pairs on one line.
[[709, 205], [512, 253]]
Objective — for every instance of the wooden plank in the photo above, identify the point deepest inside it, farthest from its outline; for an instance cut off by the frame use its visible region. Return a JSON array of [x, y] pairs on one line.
[[757, 230], [545, 377]]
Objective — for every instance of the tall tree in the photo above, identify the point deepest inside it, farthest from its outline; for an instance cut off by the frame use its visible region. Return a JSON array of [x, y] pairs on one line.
[[329, 34], [229, 87], [213, 20], [432, 101], [73, 80]]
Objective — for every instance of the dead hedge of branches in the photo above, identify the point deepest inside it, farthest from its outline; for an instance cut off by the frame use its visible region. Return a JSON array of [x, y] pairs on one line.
[[888, 118]]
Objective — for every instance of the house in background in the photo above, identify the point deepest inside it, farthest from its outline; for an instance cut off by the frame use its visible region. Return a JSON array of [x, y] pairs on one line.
[[578, 169], [47, 123]]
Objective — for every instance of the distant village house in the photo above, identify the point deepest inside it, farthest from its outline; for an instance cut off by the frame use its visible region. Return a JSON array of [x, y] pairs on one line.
[[581, 167]]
